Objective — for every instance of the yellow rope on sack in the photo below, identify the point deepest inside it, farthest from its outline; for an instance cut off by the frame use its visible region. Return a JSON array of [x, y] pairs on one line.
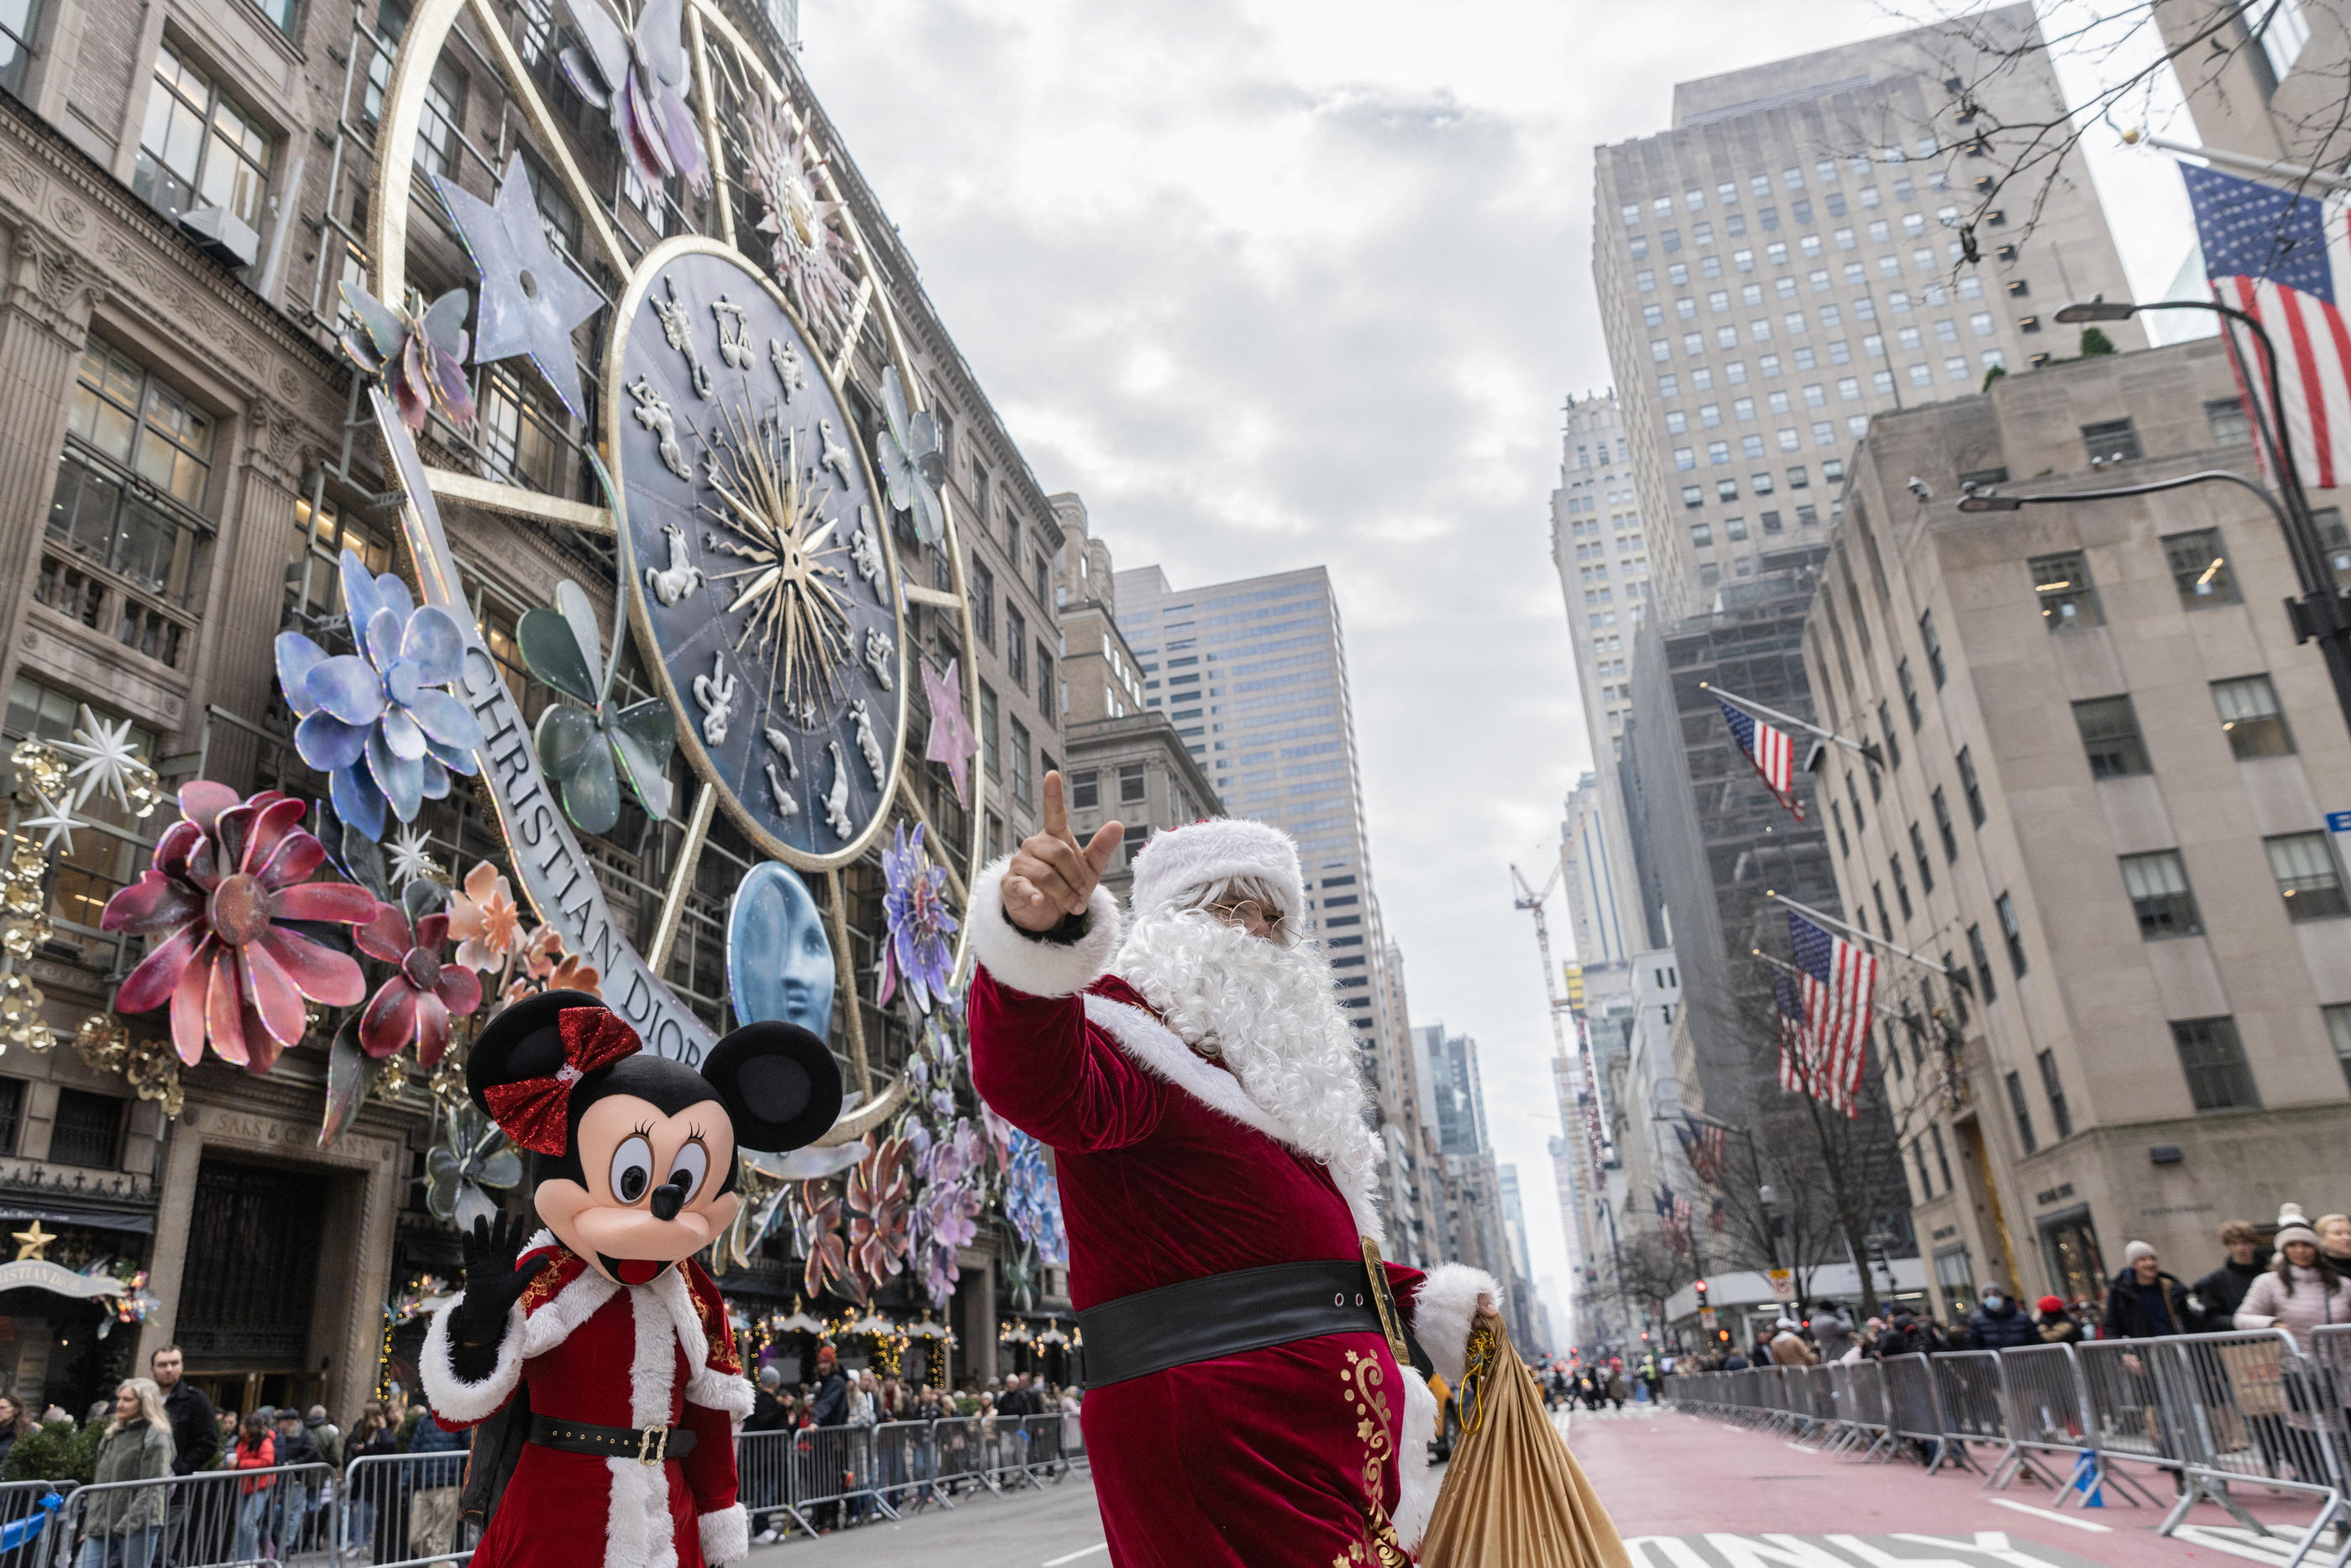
[[1477, 1378]]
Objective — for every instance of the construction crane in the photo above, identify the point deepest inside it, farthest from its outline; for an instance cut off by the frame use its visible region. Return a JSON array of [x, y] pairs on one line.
[[1532, 902], [1572, 1069]]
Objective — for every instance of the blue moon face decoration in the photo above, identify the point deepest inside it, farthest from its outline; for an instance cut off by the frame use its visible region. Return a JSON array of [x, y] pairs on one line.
[[778, 959], [766, 595]]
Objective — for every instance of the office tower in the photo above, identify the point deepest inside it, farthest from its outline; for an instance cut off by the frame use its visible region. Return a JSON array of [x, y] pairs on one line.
[[1791, 256], [2107, 821]]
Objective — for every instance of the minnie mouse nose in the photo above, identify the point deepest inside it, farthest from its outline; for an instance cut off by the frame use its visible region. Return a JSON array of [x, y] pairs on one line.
[[670, 1196]]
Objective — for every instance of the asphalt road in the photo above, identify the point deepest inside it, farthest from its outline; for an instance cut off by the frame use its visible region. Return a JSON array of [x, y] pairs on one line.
[[1056, 1527]]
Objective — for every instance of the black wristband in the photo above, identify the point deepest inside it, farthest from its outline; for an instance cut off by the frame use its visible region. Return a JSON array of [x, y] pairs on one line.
[[1069, 933]]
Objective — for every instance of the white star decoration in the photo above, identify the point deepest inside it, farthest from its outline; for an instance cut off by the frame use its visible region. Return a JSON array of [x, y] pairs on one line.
[[56, 822], [107, 760], [412, 857]]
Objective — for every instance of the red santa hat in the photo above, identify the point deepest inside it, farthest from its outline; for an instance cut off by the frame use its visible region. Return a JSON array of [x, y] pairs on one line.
[[1178, 865]]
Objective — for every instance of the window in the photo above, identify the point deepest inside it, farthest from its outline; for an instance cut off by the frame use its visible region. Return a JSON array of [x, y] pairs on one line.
[[1021, 782], [1045, 698], [2213, 1059], [2282, 29], [1973, 789], [2226, 418], [1901, 887], [2111, 440], [1016, 646], [983, 603], [2023, 1113], [2068, 598], [1909, 692], [1130, 783], [1085, 790], [2159, 895], [1943, 826], [2060, 1117], [1925, 627], [18, 21], [1926, 866], [1702, 535], [2250, 713], [1131, 843], [199, 150], [2338, 1030], [87, 1130], [2110, 737], [2307, 877], [521, 433], [2012, 931], [1693, 495], [1982, 959], [990, 750], [2199, 569]]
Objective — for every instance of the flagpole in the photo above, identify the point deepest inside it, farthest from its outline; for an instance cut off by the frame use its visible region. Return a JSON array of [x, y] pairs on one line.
[[1818, 919], [1867, 750], [2240, 161]]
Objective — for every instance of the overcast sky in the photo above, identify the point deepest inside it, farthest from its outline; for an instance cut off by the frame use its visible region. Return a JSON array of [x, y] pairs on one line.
[[1280, 284]]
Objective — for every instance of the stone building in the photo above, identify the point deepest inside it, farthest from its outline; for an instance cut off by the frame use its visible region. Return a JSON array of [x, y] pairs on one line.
[[2106, 816], [182, 189]]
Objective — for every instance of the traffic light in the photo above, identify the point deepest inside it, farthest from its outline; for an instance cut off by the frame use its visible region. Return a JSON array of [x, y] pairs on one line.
[[1700, 1288]]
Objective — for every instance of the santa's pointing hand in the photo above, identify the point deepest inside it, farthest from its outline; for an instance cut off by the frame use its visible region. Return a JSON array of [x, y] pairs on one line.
[[1051, 875]]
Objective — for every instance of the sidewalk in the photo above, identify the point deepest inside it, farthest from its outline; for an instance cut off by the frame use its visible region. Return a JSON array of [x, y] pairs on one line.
[[1690, 1493]]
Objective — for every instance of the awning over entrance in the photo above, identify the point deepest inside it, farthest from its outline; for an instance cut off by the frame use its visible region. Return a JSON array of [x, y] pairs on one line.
[[134, 1221]]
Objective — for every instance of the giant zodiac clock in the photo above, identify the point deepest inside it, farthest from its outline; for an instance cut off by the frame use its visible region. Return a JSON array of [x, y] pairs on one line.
[[749, 407]]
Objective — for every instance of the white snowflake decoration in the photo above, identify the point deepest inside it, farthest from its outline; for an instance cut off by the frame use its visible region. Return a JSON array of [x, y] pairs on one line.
[[107, 762], [412, 857], [56, 822]]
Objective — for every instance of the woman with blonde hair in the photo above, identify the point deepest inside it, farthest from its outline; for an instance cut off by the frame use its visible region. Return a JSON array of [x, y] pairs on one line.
[[2335, 1240], [123, 1524]]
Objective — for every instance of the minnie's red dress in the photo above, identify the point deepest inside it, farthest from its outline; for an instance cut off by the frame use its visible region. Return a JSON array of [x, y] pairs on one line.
[[612, 1355], [1281, 1458]]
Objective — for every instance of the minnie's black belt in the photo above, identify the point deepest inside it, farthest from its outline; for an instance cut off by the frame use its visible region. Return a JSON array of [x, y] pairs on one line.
[[1249, 1309]]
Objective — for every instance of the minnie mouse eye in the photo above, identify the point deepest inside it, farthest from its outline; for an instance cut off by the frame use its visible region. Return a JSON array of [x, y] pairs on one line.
[[687, 1172], [632, 1169]]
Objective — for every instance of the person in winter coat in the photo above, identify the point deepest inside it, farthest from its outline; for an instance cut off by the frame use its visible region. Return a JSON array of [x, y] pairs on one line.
[[1615, 1387], [2212, 1300], [1832, 1330], [2055, 1324], [1999, 1323], [1903, 1336], [2301, 1291], [2143, 1301], [122, 1529], [2334, 1240], [1789, 1347], [369, 1493], [255, 1449]]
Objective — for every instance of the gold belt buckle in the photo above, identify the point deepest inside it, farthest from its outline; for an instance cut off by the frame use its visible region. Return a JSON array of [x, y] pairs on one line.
[[1386, 1300], [652, 1445]]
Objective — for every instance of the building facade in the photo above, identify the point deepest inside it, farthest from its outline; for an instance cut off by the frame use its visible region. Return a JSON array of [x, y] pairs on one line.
[[2105, 817], [1790, 258]]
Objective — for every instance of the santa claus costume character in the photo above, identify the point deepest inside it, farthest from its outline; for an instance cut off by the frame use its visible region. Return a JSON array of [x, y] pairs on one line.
[[595, 1356], [1250, 1397]]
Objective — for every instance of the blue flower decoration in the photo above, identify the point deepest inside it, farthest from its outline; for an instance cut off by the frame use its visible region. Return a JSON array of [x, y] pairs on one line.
[[380, 721]]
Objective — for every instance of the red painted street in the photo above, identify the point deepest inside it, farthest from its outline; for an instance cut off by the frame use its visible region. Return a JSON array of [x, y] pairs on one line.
[[1692, 1492]]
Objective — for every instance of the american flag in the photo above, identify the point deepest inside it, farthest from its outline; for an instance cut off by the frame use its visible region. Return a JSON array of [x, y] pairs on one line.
[[1795, 1066], [1674, 1218], [1771, 751], [2286, 259], [1720, 1217], [1704, 1146], [1837, 980]]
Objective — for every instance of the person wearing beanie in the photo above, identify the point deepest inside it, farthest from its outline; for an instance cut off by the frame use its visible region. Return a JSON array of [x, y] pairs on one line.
[[2212, 1300], [1998, 1322], [2143, 1301], [2302, 1290], [2054, 1324], [1204, 1097], [1789, 1346]]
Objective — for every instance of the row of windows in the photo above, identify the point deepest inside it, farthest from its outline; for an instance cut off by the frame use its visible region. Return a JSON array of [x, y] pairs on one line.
[[1864, 166], [1831, 469]]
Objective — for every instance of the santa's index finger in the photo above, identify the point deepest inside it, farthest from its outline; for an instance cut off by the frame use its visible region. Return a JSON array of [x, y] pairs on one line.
[[1057, 814]]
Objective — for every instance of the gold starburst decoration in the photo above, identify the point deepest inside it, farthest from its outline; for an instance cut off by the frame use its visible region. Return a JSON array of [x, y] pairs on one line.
[[771, 508]]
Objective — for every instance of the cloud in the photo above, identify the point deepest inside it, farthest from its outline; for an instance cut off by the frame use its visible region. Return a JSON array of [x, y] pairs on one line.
[[1278, 283]]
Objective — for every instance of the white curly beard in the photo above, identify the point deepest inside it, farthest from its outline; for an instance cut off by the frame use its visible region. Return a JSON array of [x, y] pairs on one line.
[[1267, 1012]]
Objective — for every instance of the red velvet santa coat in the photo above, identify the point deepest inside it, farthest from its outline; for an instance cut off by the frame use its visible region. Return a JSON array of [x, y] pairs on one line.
[[616, 1355], [1281, 1457]]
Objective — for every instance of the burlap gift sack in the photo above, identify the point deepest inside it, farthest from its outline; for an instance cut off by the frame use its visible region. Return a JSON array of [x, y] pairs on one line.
[[1514, 1497]]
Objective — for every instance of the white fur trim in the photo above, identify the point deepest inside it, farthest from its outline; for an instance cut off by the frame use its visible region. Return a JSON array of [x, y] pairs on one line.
[[574, 1304], [1417, 1481], [1442, 1310], [1154, 1047], [637, 1530], [725, 1534], [1205, 855], [452, 1396], [728, 1391], [1027, 964]]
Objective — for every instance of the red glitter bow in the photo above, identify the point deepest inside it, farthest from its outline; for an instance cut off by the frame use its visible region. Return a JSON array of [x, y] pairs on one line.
[[535, 1112]]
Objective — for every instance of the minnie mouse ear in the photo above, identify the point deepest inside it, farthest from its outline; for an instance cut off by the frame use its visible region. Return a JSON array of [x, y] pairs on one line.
[[780, 1085], [523, 1040]]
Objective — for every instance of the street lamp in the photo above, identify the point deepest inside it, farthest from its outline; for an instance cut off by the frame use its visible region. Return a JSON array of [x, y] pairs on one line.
[[2320, 612]]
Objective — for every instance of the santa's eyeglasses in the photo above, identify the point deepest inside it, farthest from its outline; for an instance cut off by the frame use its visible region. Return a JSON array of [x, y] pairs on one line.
[[1247, 912]]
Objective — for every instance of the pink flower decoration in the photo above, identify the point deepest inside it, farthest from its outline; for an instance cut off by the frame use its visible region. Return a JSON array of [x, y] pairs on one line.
[[223, 879], [483, 920], [417, 1002]]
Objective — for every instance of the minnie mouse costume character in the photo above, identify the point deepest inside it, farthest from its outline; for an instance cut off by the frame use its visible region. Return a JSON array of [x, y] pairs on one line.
[[595, 1356]]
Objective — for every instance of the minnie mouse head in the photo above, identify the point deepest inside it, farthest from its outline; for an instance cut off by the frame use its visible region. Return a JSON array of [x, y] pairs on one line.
[[632, 1163]]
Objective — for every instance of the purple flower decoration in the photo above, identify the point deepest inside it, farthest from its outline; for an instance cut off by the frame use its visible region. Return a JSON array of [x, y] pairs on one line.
[[915, 908], [638, 78], [380, 721], [421, 360], [1033, 1203]]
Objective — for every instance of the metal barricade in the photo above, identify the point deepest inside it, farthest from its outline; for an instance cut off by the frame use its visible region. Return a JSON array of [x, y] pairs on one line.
[[1747, 1396], [2044, 1403], [1040, 1437], [213, 1517], [906, 1465], [1967, 1395], [1915, 1412], [20, 1503], [1007, 1450], [2249, 1408], [833, 1477], [400, 1510], [1869, 1409], [766, 1465], [962, 1455], [2124, 1404]]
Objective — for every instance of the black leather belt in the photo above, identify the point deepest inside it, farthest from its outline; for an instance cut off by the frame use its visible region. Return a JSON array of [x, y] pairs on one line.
[[1225, 1314], [646, 1445]]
